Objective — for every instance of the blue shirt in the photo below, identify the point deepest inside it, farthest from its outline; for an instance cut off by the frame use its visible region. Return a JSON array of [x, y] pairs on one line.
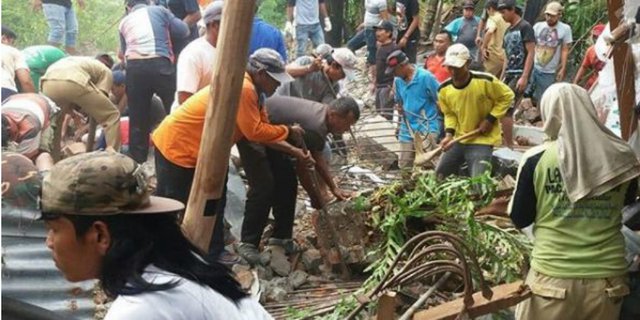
[[464, 31], [264, 35], [148, 30], [419, 101]]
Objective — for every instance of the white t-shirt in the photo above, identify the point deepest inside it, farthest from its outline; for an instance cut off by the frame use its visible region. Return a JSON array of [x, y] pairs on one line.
[[549, 42], [186, 301], [195, 67], [12, 60], [372, 11]]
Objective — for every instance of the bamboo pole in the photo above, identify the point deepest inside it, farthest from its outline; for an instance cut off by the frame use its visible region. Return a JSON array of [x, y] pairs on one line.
[[220, 119], [624, 74]]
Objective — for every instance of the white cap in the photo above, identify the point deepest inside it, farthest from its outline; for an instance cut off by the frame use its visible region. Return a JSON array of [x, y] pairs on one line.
[[213, 12], [457, 56], [553, 8], [347, 60]]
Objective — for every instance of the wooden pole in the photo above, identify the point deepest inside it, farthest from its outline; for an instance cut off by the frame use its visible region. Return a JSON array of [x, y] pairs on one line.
[[624, 74], [220, 119]]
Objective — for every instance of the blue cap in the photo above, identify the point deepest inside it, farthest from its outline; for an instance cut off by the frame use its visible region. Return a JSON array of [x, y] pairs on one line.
[[119, 76]]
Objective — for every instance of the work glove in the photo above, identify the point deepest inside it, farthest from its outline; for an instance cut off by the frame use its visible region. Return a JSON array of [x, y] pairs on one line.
[[327, 24], [290, 29]]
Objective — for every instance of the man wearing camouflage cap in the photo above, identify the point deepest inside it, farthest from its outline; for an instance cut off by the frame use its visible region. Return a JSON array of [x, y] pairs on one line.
[[103, 224], [177, 138]]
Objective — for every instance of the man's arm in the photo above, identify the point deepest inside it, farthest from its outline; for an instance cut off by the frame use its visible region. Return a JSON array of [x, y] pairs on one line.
[[24, 78], [301, 67], [564, 56], [290, 5], [411, 28], [250, 123], [480, 40], [583, 68], [178, 29], [528, 66], [193, 12], [323, 9], [450, 121], [522, 207], [502, 97], [187, 77]]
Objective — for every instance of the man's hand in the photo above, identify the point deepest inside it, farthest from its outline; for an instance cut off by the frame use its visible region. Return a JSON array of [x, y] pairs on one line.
[[403, 42], [522, 84], [316, 65], [327, 24], [560, 75], [81, 4], [341, 194], [290, 29], [447, 142], [479, 42], [36, 5], [485, 53], [485, 126], [296, 134], [304, 158]]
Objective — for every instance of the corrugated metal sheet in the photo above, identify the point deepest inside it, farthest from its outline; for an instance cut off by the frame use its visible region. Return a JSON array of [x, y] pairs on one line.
[[30, 275]]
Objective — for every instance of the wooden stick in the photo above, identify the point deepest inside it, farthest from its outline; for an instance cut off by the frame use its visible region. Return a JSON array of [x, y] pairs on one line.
[[425, 157], [220, 119]]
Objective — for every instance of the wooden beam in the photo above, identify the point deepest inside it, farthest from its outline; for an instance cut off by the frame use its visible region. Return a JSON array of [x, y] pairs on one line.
[[220, 119], [387, 306], [624, 74]]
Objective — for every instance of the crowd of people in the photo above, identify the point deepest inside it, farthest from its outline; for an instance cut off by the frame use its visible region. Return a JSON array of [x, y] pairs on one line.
[[151, 104]]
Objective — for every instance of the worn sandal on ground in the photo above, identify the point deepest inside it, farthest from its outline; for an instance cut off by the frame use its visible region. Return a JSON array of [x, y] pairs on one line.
[[289, 246]]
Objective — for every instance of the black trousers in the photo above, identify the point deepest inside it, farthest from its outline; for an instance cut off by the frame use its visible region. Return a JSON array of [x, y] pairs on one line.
[[175, 182], [273, 184], [146, 77]]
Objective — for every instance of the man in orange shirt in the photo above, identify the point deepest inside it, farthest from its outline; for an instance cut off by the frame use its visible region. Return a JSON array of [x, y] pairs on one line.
[[177, 138], [433, 62], [590, 61]]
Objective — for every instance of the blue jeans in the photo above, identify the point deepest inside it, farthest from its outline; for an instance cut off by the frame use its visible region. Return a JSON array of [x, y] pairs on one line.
[[62, 24], [477, 157], [306, 32], [366, 37], [538, 84]]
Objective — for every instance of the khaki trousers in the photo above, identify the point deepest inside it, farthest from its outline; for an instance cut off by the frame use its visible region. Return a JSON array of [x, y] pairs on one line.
[[575, 299], [493, 66], [408, 150], [91, 101]]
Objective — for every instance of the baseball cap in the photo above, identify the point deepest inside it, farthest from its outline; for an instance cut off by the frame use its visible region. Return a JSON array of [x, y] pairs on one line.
[[385, 25], [270, 61], [457, 56], [323, 50], [213, 12], [101, 183], [506, 4], [553, 8], [347, 60], [20, 184], [597, 29], [468, 4], [119, 76], [395, 59]]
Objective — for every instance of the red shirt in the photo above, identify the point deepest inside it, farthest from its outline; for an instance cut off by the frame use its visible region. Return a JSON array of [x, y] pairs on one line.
[[433, 63], [591, 62]]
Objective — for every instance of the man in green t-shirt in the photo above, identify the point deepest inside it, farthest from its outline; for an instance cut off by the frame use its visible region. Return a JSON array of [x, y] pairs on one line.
[[572, 188], [39, 58]]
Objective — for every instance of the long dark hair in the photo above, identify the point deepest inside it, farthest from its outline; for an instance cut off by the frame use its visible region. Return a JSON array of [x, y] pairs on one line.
[[140, 240]]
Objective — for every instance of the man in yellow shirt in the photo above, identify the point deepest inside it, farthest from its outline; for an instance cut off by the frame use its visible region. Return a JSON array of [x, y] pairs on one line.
[[470, 100], [177, 138]]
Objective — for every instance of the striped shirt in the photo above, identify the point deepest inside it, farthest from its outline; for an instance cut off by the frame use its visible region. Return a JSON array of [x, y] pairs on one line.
[[147, 31]]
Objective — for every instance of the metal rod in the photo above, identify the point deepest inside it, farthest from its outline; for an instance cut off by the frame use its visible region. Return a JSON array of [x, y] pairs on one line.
[[414, 307]]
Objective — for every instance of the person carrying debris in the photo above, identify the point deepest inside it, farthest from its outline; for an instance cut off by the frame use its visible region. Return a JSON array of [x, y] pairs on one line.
[[103, 224], [177, 138], [26, 123], [84, 83], [470, 101], [416, 97], [271, 174], [574, 197]]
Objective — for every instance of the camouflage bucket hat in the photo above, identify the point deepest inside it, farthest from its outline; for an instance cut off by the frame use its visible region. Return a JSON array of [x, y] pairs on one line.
[[101, 183], [20, 183]]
